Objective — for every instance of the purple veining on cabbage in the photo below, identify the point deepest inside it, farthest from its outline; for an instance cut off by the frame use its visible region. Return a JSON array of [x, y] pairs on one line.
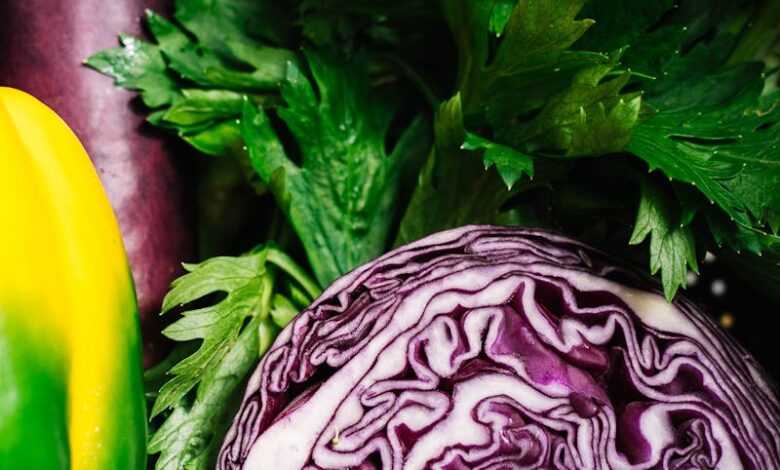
[[498, 348]]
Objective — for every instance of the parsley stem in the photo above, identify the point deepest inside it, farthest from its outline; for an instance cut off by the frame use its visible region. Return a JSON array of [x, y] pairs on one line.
[[633, 73], [292, 269]]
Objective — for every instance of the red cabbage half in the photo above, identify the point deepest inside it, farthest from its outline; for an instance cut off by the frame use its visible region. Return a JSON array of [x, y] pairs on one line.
[[503, 348]]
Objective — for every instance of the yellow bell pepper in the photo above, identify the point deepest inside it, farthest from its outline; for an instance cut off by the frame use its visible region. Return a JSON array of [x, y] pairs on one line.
[[71, 390]]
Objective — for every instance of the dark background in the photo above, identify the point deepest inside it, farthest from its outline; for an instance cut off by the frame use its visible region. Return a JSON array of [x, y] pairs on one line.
[[741, 309]]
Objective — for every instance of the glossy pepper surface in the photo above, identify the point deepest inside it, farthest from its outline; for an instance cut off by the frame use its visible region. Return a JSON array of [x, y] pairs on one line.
[[71, 393]]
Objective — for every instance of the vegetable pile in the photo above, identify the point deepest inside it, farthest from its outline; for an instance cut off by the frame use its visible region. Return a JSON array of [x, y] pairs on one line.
[[335, 130], [487, 347]]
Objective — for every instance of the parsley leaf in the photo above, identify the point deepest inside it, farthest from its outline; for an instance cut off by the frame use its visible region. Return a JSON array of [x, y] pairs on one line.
[[589, 118], [190, 436], [510, 163], [495, 85], [226, 58], [205, 66], [342, 197], [453, 188], [232, 27], [198, 107], [137, 65], [515, 83], [208, 119], [672, 247], [719, 135], [233, 333], [248, 287], [499, 16]]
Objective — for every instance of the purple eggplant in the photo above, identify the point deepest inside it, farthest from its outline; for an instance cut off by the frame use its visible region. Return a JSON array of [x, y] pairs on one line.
[[44, 43]]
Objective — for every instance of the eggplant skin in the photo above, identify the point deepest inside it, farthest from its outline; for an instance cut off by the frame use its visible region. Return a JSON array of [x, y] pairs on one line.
[[44, 43]]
